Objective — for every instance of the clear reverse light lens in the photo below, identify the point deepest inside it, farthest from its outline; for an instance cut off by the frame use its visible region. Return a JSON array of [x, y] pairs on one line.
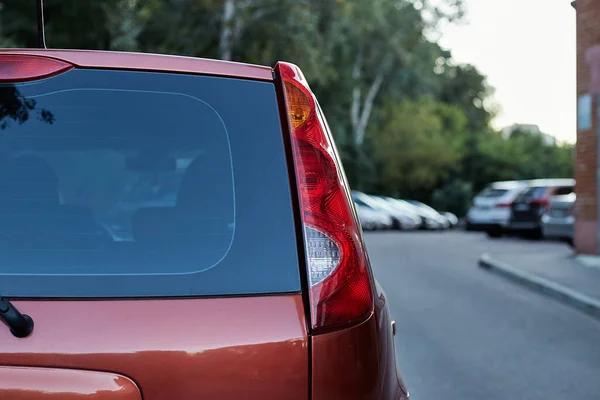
[[322, 254]]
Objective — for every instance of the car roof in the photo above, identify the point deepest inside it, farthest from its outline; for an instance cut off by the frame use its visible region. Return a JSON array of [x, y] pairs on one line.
[[508, 184], [150, 62], [552, 182]]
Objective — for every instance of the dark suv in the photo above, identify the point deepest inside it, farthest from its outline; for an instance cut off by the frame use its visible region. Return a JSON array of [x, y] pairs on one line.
[[179, 228], [528, 208]]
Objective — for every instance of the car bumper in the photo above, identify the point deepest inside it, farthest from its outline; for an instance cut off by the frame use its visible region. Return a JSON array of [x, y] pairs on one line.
[[523, 225], [431, 224], [558, 227], [409, 225], [492, 217], [484, 227]]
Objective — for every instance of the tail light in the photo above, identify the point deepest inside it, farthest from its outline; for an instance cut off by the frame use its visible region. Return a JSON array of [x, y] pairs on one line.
[[503, 205], [20, 68], [543, 203], [339, 277]]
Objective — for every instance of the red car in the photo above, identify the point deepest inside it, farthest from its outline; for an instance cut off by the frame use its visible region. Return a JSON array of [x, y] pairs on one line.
[[179, 228]]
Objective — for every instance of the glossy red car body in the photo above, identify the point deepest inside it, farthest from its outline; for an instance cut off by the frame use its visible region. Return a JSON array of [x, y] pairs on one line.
[[246, 347]]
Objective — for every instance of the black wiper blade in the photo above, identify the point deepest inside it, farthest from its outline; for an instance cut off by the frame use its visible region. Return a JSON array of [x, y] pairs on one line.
[[20, 325]]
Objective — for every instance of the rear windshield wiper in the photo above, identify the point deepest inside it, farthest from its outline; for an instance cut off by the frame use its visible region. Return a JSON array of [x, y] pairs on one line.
[[20, 325]]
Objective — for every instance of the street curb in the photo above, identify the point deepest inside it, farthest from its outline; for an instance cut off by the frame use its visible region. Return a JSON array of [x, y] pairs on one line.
[[582, 302]]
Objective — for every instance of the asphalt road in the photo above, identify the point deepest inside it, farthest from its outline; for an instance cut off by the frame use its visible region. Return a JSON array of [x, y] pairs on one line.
[[465, 334]]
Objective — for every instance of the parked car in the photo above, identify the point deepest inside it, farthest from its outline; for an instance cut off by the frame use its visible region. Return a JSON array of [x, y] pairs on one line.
[[362, 199], [559, 219], [208, 295], [491, 210], [422, 218], [440, 221], [372, 219], [528, 208], [408, 218], [366, 217], [453, 219], [377, 204]]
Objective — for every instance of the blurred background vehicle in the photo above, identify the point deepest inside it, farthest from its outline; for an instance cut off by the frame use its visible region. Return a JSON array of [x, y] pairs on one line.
[[372, 202], [559, 219], [405, 220], [528, 207], [372, 219], [453, 219], [441, 221], [491, 210], [417, 215], [412, 218], [427, 221]]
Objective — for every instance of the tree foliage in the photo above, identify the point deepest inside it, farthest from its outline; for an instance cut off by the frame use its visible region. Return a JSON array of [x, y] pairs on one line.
[[418, 145], [408, 120]]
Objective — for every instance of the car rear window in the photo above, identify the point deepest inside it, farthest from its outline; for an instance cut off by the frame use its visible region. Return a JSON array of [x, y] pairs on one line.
[[362, 203], [493, 192], [562, 190], [119, 184], [535, 192]]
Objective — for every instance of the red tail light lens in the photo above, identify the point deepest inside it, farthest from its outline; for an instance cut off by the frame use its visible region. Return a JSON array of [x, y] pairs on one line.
[[503, 205], [543, 203], [338, 274], [20, 68]]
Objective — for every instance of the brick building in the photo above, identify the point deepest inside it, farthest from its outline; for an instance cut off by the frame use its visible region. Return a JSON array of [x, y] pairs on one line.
[[587, 224]]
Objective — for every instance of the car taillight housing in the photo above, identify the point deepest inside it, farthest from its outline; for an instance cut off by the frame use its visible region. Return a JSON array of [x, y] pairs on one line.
[[22, 68], [504, 205], [339, 277], [543, 203]]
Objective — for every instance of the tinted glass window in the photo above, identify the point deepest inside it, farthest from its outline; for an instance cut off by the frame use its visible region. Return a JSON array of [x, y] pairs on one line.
[[121, 184], [361, 203], [536, 192], [492, 193], [563, 190]]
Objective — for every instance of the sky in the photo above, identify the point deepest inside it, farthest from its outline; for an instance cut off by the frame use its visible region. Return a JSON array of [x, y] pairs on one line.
[[527, 49]]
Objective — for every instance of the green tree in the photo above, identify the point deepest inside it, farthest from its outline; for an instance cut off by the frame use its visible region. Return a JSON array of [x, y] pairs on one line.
[[455, 196], [521, 156], [418, 145], [82, 24], [407, 119]]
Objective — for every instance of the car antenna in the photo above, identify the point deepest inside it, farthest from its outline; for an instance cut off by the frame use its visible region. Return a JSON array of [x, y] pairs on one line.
[[40, 25]]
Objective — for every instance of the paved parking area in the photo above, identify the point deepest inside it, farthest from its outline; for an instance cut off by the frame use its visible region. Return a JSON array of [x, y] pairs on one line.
[[466, 334]]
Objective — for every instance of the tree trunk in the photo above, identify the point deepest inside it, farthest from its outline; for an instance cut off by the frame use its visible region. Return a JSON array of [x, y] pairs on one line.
[[361, 127], [226, 39], [356, 92], [360, 114]]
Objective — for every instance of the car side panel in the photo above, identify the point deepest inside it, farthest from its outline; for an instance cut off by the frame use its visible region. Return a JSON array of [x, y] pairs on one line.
[[357, 362]]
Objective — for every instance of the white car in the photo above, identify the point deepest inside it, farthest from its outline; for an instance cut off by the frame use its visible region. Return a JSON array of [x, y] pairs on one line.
[[407, 219], [559, 219], [372, 202], [371, 219], [491, 210], [434, 220], [412, 216], [453, 219]]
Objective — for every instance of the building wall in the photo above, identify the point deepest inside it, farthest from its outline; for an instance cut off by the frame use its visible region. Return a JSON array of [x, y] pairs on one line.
[[586, 157]]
